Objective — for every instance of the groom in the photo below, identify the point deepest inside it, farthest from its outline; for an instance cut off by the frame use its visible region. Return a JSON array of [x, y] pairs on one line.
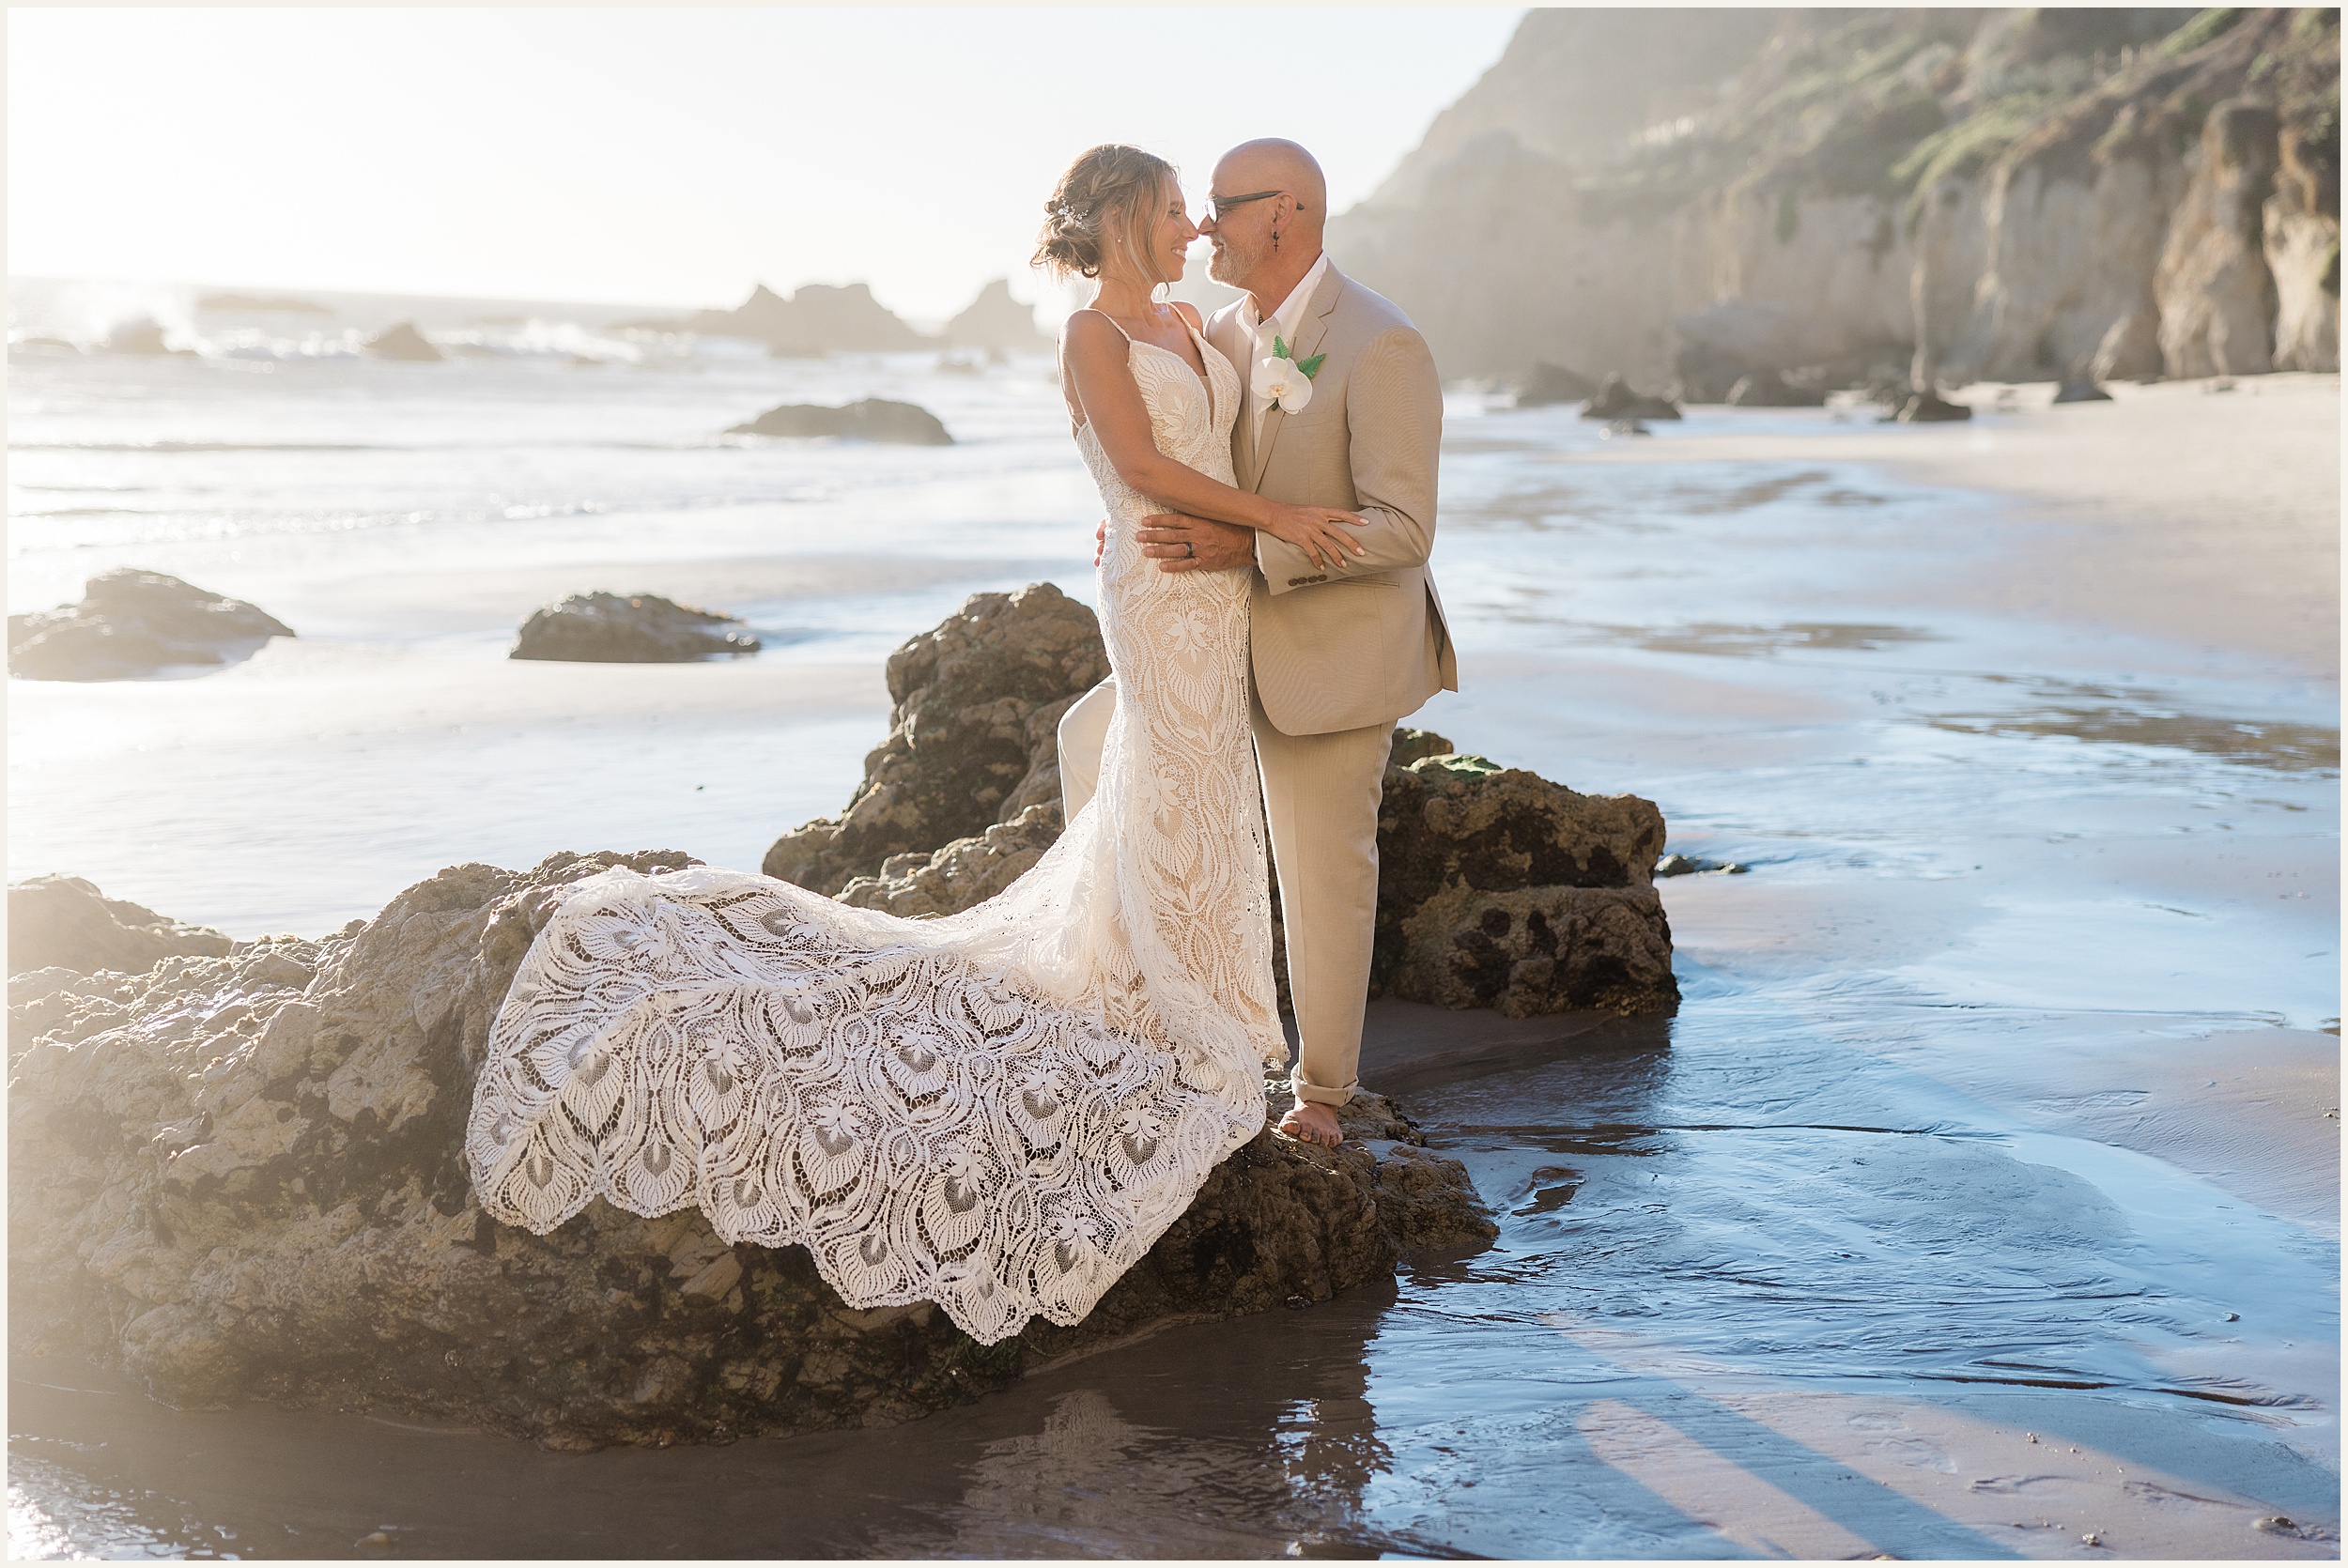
[[1338, 654]]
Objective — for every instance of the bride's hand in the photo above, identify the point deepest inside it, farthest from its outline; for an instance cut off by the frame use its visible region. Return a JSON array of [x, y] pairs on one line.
[[1318, 532]]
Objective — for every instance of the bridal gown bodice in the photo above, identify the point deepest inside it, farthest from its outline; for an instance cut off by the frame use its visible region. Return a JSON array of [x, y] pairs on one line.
[[998, 1111]]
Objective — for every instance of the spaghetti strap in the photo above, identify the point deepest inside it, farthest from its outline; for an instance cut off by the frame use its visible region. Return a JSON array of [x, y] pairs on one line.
[[1087, 310]]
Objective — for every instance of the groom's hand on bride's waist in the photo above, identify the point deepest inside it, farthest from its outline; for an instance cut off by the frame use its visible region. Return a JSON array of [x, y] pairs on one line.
[[1180, 543]]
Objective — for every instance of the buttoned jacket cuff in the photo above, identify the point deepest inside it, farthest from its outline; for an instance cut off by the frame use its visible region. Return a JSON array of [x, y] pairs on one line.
[[1310, 1093]]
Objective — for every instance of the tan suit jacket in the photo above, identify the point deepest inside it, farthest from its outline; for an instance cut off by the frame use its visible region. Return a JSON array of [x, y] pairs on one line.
[[1365, 644]]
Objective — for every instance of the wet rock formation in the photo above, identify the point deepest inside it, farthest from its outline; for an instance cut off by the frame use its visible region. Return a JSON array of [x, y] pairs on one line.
[[976, 705], [628, 628], [998, 323], [1497, 888], [875, 419], [140, 336], [1614, 400], [402, 341], [240, 1177], [132, 624], [2010, 193], [1928, 408], [819, 319], [66, 923]]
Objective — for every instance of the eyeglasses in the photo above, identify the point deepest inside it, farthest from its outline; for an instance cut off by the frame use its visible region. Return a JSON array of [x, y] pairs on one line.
[[1221, 206]]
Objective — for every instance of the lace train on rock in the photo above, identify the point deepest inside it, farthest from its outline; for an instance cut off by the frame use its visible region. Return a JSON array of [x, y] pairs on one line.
[[1000, 1111]]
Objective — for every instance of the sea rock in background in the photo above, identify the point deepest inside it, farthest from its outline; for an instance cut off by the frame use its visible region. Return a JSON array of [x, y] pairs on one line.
[[1770, 389], [819, 319], [66, 923], [875, 419], [1961, 193], [632, 628], [1928, 408], [996, 322], [131, 623], [1616, 401], [240, 1178], [142, 336], [1550, 384], [43, 346], [1496, 887], [2082, 390], [401, 340], [972, 739]]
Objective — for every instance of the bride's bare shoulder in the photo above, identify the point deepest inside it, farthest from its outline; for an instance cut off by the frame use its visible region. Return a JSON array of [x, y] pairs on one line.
[[1190, 314]]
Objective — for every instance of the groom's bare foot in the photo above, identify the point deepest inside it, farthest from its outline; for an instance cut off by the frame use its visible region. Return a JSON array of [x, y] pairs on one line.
[[1311, 1122]]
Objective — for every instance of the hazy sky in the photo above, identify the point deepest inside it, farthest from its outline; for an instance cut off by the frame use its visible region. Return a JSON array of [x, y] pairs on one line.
[[662, 156]]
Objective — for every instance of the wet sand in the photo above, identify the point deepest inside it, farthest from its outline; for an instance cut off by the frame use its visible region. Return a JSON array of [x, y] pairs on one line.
[[2205, 512]]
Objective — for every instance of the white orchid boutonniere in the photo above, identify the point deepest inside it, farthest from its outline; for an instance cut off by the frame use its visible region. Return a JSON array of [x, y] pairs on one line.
[[1284, 381]]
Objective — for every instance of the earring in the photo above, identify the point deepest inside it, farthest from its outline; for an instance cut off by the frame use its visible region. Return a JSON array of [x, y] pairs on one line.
[[1276, 239]]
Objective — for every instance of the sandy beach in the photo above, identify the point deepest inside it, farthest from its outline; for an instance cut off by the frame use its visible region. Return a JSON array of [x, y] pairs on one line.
[[1983, 1195]]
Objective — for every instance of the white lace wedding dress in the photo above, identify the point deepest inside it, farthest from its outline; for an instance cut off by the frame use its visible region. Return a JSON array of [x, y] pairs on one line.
[[998, 1111]]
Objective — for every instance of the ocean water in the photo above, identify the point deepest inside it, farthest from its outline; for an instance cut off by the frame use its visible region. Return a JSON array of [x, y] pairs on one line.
[[1921, 1163]]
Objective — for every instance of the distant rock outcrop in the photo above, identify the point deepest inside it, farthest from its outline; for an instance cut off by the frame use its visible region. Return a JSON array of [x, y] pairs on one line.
[[1614, 400], [1770, 389], [1549, 384], [875, 419], [66, 923], [1497, 888], [2018, 194], [996, 321], [402, 342], [628, 628], [132, 624], [242, 1177], [139, 337], [819, 319]]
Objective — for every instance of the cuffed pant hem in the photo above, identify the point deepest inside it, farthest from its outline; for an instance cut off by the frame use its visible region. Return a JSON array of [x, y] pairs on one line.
[[1309, 1092]]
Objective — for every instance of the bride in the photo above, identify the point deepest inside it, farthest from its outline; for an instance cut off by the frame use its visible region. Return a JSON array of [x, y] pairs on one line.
[[1001, 1109]]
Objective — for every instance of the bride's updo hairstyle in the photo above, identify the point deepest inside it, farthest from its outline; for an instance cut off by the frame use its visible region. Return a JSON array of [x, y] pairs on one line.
[[1109, 195]]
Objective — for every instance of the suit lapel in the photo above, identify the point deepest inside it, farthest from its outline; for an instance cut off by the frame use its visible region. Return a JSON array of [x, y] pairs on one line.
[[1307, 344]]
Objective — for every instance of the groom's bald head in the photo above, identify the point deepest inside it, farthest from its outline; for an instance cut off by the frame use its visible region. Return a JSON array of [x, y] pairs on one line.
[[1271, 163]]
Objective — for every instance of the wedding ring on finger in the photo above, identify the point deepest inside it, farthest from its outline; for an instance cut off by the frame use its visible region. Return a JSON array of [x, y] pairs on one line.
[[1190, 549]]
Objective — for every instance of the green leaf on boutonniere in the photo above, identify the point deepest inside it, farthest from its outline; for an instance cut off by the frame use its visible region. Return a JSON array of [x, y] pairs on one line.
[[1306, 367], [1280, 351]]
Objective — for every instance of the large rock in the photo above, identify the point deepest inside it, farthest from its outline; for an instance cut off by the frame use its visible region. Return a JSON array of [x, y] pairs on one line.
[[875, 419], [996, 322], [66, 923], [132, 622], [2302, 222], [240, 1178], [628, 628], [1496, 887], [972, 736]]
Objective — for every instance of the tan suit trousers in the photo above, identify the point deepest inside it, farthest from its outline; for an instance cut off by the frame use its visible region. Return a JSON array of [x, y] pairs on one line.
[[1322, 796]]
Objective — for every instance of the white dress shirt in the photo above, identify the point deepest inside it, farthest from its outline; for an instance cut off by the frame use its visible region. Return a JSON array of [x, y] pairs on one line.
[[1282, 325]]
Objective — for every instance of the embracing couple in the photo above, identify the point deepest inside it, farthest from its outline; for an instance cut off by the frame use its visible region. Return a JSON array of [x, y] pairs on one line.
[[1000, 1111]]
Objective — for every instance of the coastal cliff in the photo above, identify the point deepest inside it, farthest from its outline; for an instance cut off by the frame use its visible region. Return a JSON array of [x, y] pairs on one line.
[[1694, 197]]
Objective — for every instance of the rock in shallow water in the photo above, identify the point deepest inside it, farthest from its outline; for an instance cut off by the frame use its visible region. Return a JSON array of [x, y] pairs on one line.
[[67, 923], [242, 1177], [132, 624], [628, 628], [875, 419]]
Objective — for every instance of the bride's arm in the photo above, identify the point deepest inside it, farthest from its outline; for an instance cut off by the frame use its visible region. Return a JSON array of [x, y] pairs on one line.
[[1097, 357]]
